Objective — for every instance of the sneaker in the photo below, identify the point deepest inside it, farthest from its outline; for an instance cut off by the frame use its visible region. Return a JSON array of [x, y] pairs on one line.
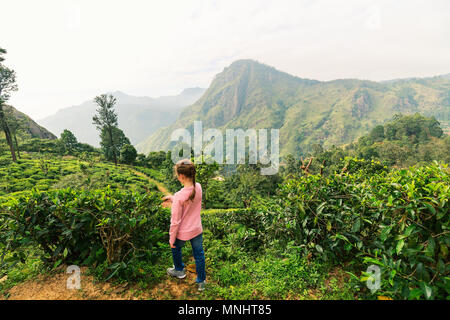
[[174, 273], [201, 285], [173, 266]]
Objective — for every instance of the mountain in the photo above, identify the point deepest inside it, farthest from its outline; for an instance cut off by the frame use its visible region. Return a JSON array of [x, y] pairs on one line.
[[138, 116], [29, 125], [248, 94]]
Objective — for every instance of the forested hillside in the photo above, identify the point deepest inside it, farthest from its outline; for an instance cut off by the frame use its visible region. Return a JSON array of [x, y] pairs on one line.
[[308, 232], [248, 94], [403, 141]]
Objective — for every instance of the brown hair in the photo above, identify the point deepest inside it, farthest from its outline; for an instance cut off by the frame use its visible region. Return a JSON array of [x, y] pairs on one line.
[[187, 168]]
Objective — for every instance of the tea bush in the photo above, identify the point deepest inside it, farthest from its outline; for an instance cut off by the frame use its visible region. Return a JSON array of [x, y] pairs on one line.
[[60, 173], [398, 220], [237, 227], [93, 227], [266, 276]]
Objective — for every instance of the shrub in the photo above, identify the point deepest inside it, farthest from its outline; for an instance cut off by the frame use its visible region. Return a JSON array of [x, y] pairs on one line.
[[89, 227], [397, 220]]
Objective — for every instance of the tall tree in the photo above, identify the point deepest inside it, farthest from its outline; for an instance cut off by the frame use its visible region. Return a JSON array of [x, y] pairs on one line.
[[7, 85], [15, 126], [113, 148], [106, 121], [128, 154], [68, 141]]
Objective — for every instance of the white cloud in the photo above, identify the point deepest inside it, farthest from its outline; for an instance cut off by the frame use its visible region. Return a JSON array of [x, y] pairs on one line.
[[65, 52]]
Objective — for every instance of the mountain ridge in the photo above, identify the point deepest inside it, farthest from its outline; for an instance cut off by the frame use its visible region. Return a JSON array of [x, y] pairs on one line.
[[248, 94], [138, 116]]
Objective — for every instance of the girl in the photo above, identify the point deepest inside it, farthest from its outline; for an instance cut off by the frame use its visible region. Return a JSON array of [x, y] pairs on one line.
[[186, 223]]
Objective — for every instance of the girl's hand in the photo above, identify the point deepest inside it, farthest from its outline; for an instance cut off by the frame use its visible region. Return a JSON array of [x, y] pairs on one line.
[[172, 246], [167, 198]]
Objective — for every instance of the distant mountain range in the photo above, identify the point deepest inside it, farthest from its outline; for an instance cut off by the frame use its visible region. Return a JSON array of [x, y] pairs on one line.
[[248, 94], [138, 116]]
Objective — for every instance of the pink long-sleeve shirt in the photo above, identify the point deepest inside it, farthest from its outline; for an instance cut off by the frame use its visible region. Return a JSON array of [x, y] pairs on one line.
[[186, 222]]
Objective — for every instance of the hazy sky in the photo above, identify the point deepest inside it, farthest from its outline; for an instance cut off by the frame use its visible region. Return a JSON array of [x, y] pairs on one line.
[[66, 52]]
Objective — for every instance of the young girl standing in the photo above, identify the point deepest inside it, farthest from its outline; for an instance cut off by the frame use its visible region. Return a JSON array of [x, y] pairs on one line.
[[186, 222]]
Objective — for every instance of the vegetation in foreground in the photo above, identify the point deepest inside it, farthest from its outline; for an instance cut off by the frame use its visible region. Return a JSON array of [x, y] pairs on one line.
[[293, 235], [279, 247]]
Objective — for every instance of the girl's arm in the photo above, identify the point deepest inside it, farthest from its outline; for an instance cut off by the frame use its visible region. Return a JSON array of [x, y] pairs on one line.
[[175, 220]]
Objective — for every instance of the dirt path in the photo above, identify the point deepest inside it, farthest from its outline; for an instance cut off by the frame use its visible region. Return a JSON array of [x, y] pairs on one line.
[[178, 289], [54, 287], [159, 185]]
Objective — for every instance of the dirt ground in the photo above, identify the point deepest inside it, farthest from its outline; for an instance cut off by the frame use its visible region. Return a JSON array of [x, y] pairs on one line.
[[54, 287]]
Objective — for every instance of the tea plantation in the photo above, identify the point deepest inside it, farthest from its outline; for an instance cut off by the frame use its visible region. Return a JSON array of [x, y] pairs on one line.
[[315, 236]]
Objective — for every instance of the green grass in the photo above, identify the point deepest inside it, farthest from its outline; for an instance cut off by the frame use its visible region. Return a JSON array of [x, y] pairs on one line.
[[22, 271], [270, 276]]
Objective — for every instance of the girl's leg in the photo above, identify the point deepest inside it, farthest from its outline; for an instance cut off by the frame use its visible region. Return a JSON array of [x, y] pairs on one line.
[[199, 256], [177, 256]]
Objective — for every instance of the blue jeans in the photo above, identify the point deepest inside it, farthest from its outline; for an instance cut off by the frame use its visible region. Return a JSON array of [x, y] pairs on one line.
[[199, 256]]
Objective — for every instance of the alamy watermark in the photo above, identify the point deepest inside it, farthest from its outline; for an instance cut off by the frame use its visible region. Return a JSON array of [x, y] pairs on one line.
[[373, 281], [210, 144], [73, 281]]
